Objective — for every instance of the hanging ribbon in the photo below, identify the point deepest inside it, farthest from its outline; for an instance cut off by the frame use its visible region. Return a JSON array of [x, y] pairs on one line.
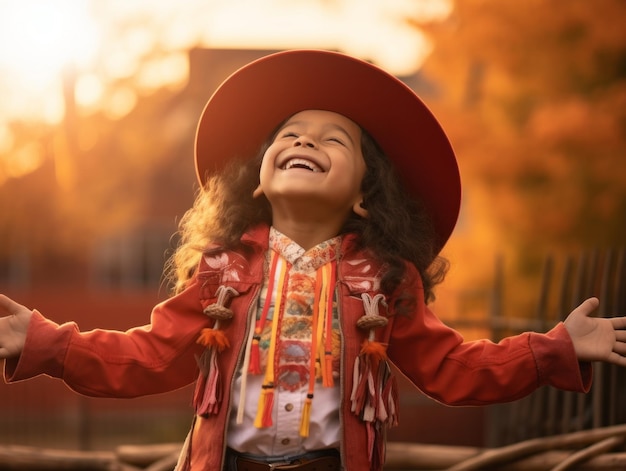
[[266, 398]]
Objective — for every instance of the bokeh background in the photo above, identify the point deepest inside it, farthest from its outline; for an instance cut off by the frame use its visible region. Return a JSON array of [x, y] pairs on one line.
[[98, 107]]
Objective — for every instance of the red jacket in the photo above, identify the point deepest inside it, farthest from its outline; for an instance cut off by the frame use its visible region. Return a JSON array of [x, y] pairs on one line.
[[161, 356]]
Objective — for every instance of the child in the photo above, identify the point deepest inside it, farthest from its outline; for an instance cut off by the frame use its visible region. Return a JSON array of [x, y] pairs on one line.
[[303, 267]]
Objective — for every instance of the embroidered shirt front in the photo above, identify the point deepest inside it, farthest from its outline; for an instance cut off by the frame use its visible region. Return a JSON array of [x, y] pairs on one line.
[[298, 336]]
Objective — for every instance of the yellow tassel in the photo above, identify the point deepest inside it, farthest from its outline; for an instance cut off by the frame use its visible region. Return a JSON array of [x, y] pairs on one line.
[[266, 399], [318, 369], [305, 420]]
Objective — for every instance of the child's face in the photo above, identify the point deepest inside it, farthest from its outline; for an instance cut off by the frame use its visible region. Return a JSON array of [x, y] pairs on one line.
[[315, 158]]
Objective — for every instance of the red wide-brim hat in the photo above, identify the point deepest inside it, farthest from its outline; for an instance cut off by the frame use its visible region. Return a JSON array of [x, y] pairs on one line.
[[249, 104]]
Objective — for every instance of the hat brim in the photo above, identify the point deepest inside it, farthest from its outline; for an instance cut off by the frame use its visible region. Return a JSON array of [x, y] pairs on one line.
[[248, 105]]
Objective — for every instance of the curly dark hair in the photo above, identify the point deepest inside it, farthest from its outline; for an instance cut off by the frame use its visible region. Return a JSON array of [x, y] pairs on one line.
[[397, 228]]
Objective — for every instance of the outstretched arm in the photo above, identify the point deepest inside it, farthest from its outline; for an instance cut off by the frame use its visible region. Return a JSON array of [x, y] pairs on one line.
[[148, 359], [14, 320], [597, 338]]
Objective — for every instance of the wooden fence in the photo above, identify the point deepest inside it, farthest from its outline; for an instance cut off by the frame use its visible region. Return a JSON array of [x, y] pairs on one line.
[[588, 450], [549, 411]]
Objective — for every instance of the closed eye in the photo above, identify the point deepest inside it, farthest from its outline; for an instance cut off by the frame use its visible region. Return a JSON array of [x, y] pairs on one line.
[[337, 140]]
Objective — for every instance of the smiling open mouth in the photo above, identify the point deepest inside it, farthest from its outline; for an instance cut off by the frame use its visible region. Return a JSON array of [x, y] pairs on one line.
[[303, 164]]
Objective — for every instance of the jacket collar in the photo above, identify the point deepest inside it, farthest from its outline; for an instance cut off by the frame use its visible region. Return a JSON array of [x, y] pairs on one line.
[[257, 237]]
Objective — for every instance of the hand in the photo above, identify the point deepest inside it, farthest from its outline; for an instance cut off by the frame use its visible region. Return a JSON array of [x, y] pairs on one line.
[[597, 338], [14, 320]]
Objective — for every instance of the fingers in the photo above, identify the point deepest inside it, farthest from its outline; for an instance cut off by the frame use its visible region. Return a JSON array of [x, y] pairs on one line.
[[619, 326], [8, 307], [618, 358], [5, 306], [618, 355], [588, 305], [618, 323], [620, 340]]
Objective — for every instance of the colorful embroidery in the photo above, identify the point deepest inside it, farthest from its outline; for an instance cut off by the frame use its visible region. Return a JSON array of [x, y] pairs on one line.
[[302, 346]]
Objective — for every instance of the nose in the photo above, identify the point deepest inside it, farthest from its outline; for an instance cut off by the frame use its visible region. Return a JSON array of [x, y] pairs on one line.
[[305, 140]]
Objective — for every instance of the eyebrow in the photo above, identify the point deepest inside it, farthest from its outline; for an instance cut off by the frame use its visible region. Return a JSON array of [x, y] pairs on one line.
[[334, 126]]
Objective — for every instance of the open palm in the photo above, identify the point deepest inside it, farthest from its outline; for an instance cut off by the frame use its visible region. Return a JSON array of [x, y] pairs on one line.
[[14, 320], [597, 338]]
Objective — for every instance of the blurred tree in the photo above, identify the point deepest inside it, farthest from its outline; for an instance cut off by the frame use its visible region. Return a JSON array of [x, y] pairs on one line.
[[533, 96]]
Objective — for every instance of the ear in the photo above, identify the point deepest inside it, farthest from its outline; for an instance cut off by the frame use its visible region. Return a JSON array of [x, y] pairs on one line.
[[257, 192], [359, 209]]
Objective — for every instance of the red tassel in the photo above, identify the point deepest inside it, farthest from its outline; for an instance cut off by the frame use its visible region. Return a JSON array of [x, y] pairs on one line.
[[366, 366], [208, 391], [374, 397], [371, 439], [327, 376], [370, 400], [359, 385], [375, 446], [267, 410], [390, 400], [209, 398], [199, 391], [266, 406], [378, 452], [255, 358]]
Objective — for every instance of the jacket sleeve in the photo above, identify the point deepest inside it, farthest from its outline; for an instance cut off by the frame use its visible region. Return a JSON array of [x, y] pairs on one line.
[[438, 361], [151, 359]]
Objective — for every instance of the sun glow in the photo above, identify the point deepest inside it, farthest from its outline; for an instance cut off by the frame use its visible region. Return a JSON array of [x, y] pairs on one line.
[[38, 40], [110, 53], [117, 39], [371, 29]]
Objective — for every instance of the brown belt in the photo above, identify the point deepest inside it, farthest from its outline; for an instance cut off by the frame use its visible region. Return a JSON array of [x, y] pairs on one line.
[[321, 463]]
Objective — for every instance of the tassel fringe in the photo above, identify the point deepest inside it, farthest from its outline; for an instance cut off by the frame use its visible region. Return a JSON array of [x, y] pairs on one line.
[[208, 391], [266, 407], [255, 357], [213, 339], [374, 396], [327, 375], [207, 394], [305, 420]]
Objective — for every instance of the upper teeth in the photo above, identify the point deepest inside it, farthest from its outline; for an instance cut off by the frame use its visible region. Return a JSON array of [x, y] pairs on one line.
[[302, 163]]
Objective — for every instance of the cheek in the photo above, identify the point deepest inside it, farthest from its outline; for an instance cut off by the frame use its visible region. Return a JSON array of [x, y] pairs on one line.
[[267, 166], [359, 171]]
